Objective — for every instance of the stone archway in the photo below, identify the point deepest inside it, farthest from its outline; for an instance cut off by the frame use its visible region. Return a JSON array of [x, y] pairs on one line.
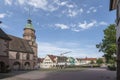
[[16, 66], [27, 65], [2, 67]]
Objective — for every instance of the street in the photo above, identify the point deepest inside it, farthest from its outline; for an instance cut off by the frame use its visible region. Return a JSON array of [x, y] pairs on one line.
[[87, 74]]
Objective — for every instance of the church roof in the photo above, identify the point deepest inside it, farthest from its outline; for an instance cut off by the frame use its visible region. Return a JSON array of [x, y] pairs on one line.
[[3, 35], [29, 24], [19, 45]]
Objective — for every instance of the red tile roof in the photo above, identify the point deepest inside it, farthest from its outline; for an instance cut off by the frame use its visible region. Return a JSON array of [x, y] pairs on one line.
[[52, 57], [40, 60]]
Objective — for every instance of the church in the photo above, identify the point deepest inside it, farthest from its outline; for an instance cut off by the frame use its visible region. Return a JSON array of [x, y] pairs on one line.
[[18, 53]]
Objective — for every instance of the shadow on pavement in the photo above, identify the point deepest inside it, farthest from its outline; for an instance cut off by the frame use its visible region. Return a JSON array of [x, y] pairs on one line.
[[13, 73]]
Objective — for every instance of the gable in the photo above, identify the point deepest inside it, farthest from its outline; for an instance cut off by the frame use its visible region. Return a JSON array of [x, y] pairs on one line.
[[47, 59]]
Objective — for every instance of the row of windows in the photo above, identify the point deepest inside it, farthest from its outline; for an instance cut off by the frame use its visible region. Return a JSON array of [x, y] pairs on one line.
[[47, 63], [18, 56]]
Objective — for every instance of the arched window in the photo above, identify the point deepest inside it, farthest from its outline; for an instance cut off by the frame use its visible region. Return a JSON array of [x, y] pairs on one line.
[[28, 57], [17, 55]]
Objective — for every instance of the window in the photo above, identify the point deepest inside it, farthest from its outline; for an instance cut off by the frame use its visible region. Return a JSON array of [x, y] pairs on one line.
[[17, 55], [28, 57]]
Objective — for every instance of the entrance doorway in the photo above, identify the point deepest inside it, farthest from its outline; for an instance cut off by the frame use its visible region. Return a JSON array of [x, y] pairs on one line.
[[2, 67], [27, 65], [16, 66]]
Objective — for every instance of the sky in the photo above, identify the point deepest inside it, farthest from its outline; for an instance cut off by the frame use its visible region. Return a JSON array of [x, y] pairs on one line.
[[61, 25]]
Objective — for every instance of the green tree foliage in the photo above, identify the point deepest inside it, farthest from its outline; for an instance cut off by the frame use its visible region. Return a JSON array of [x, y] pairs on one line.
[[100, 61], [108, 44], [92, 62]]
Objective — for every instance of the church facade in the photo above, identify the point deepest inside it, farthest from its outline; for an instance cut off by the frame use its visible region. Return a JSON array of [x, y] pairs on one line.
[[4, 45], [22, 52]]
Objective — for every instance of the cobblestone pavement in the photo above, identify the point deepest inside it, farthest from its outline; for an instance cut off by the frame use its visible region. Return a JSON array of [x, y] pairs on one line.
[[88, 74]]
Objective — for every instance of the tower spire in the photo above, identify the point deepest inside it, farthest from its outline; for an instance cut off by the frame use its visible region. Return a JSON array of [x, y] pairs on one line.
[[29, 21], [29, 13]]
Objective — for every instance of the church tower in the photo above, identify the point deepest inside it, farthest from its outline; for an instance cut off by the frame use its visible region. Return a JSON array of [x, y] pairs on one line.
[[29, 35]]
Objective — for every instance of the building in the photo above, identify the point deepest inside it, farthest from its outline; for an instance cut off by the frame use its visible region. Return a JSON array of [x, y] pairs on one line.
[[4, 45], [40, 62], [85, 61], [52, 61], [115, 4], [48, 62], [22, 52], [70, 61]]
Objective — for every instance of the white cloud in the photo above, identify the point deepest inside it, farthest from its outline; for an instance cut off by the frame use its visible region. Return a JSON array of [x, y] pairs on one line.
[[21, 2], [38, 4], [92, 9], [8, 2], [76, 30], [9, 13], [72, 13], [62, 3], [103, 23], [45, 5], [88, 11], [86, 25], [48, 48], [45, 48], [70, 6], [2, 15], [81, 10], [81, 26], [62, 26], [66, 4], [4, 26]]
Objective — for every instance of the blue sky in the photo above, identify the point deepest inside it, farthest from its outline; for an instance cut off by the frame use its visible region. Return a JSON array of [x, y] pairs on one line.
[[61, 25]]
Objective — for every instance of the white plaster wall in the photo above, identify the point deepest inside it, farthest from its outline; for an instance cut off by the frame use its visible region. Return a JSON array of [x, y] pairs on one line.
[[12, 55]]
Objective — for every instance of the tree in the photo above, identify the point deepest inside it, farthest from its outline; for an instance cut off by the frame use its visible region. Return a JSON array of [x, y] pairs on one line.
[[99, 61], [108, 44], [92, 62]]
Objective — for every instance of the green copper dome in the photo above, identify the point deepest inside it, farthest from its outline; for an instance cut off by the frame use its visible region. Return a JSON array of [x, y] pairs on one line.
[[29, 24]]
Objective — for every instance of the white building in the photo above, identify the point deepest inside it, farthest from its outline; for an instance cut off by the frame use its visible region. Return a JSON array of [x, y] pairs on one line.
[[52, 61], [85, 61]]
